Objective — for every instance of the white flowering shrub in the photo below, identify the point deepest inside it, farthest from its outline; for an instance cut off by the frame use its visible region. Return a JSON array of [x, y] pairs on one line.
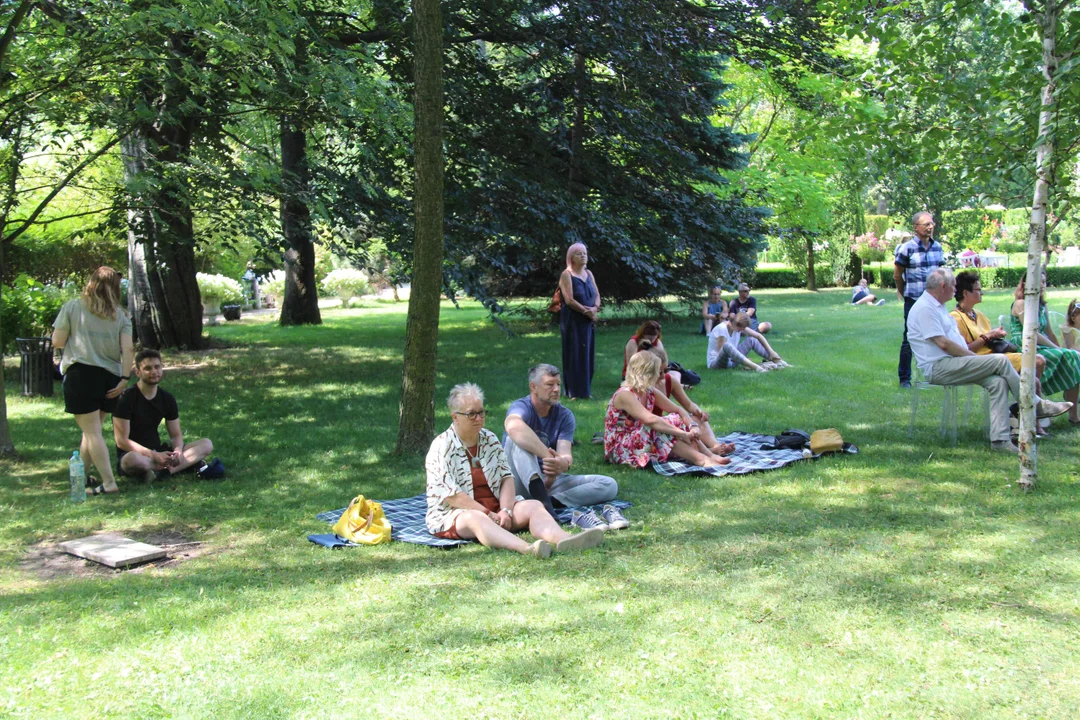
[[274, 285], [219, 290], [345, 283]]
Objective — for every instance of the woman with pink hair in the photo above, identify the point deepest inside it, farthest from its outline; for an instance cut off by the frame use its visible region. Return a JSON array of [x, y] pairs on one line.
[[577, 321]]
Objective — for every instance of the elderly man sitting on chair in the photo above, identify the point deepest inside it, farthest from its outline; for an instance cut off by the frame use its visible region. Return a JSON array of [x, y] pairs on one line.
[[538, 444], [944, 358]]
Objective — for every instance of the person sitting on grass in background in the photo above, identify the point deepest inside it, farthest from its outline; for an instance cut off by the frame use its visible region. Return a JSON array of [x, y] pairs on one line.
[[470, 489], [538, 443], [730, 341], [861, 295], [139, 412], [647, 336], [1070, 331], [744, 303], [670, 387], [714, 310], [635, 434]]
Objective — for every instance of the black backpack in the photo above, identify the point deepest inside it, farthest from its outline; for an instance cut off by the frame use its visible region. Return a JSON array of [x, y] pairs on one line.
[[689, 377], [789, 440]]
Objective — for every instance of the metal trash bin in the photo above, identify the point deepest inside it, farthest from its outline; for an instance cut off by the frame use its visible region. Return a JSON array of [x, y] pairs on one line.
[[36, 366]]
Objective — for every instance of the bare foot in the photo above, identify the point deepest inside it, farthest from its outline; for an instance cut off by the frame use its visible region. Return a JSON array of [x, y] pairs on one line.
[[710, 462], [722, 449]]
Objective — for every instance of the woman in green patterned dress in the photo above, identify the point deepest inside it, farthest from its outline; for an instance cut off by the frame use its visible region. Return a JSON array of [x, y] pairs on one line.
[[1062, 372]]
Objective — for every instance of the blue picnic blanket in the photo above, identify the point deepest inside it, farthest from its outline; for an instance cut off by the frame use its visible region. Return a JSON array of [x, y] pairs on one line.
[[406, 516], [747, 458]]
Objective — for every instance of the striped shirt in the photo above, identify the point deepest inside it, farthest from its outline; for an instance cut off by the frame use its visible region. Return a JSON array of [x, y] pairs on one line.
[[918, 262], [449, 472]]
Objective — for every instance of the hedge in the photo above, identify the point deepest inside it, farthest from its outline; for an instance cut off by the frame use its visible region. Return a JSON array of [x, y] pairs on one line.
[[789, 278], [992, 277]]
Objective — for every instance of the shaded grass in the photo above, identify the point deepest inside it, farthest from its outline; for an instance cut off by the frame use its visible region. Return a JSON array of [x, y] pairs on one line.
[[911, 580]]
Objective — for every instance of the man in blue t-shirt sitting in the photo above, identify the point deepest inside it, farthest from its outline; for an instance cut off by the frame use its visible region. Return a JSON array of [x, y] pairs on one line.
[[539, 447]]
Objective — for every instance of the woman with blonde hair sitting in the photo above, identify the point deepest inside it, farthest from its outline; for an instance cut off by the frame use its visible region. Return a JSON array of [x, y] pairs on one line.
[[470, 489], [634, 435]]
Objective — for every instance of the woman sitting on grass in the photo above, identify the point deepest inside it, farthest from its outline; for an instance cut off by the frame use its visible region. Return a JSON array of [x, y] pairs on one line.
[[634, 436], [670, 387], [470, 490], [647, 336], [1070, 331]]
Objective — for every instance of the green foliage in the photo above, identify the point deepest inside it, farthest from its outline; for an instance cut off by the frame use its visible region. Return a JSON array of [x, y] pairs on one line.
[[879, 224], [218, 289], [785, 277], [967, 228], [54, 258], [28, 309]]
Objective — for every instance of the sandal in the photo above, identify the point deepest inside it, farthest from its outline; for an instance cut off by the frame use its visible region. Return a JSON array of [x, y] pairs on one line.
[[100, 490]]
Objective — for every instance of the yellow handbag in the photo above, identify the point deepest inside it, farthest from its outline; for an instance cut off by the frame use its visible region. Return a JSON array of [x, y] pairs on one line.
[[363, 522], [828, 440]]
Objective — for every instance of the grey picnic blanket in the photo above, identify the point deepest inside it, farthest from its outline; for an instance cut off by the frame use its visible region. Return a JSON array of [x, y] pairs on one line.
[[747, 458], [406, 516]]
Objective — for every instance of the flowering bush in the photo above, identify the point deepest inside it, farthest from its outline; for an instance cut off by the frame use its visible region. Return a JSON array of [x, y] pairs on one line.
[[345, 283], [218, 289], [992, 231], [274, 285], [870, 247]]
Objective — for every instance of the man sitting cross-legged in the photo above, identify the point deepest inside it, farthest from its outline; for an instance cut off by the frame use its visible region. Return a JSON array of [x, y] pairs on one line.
[[538, 443], [139, 412], [943, 356]]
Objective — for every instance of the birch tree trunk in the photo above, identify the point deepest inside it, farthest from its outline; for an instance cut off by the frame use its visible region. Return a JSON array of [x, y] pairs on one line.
[[1036, 243], [417, 418]]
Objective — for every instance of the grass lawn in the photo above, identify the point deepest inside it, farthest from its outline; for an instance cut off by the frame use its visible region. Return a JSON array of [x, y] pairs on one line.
[[912, 580]]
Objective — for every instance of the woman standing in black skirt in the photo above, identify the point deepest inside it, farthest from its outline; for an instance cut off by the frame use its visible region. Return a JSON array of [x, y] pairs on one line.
[[577, 321], [95, 333]]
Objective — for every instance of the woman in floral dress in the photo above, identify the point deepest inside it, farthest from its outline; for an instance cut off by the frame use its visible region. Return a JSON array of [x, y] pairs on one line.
[[634, 435]]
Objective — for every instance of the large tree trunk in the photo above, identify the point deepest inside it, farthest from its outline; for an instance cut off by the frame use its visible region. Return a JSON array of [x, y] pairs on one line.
[[811, 281], [1044, 158], [301, 303], [161, 240], [417, 420]]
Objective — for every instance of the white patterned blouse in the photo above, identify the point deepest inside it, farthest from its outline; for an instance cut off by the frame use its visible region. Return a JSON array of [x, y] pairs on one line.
[[449, 473]]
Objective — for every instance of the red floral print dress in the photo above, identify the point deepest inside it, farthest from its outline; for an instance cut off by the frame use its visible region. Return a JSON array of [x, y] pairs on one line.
[[629, 442]]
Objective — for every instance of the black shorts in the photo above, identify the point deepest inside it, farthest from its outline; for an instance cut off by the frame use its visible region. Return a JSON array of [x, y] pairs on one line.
[[85, 387]]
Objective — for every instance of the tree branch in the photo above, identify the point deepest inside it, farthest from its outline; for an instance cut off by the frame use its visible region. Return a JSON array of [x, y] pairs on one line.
[[8, 237]]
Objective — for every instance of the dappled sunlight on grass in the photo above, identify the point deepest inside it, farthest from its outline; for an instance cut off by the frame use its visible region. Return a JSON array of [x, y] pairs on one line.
[[911, 579]]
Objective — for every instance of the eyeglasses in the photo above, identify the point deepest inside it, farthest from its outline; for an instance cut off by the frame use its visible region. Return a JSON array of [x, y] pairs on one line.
[[473, 414]]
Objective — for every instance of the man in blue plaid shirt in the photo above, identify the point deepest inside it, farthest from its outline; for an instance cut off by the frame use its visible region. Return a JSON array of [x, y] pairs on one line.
[[915, 260]]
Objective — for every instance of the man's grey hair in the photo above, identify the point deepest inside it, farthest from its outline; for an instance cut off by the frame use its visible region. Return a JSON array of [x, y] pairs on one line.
[[921, 213], [939, 278], [537, 372], [460, 393], [743, 286]]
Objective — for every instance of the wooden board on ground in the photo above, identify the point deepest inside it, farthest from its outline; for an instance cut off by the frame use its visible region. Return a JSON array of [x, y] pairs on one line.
[[113, 550]]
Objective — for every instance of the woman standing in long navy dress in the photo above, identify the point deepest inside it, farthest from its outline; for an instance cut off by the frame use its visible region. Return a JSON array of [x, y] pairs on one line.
[[577, 320]]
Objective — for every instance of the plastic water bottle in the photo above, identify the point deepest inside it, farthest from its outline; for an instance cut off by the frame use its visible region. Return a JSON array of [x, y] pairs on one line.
[[77, 477]]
